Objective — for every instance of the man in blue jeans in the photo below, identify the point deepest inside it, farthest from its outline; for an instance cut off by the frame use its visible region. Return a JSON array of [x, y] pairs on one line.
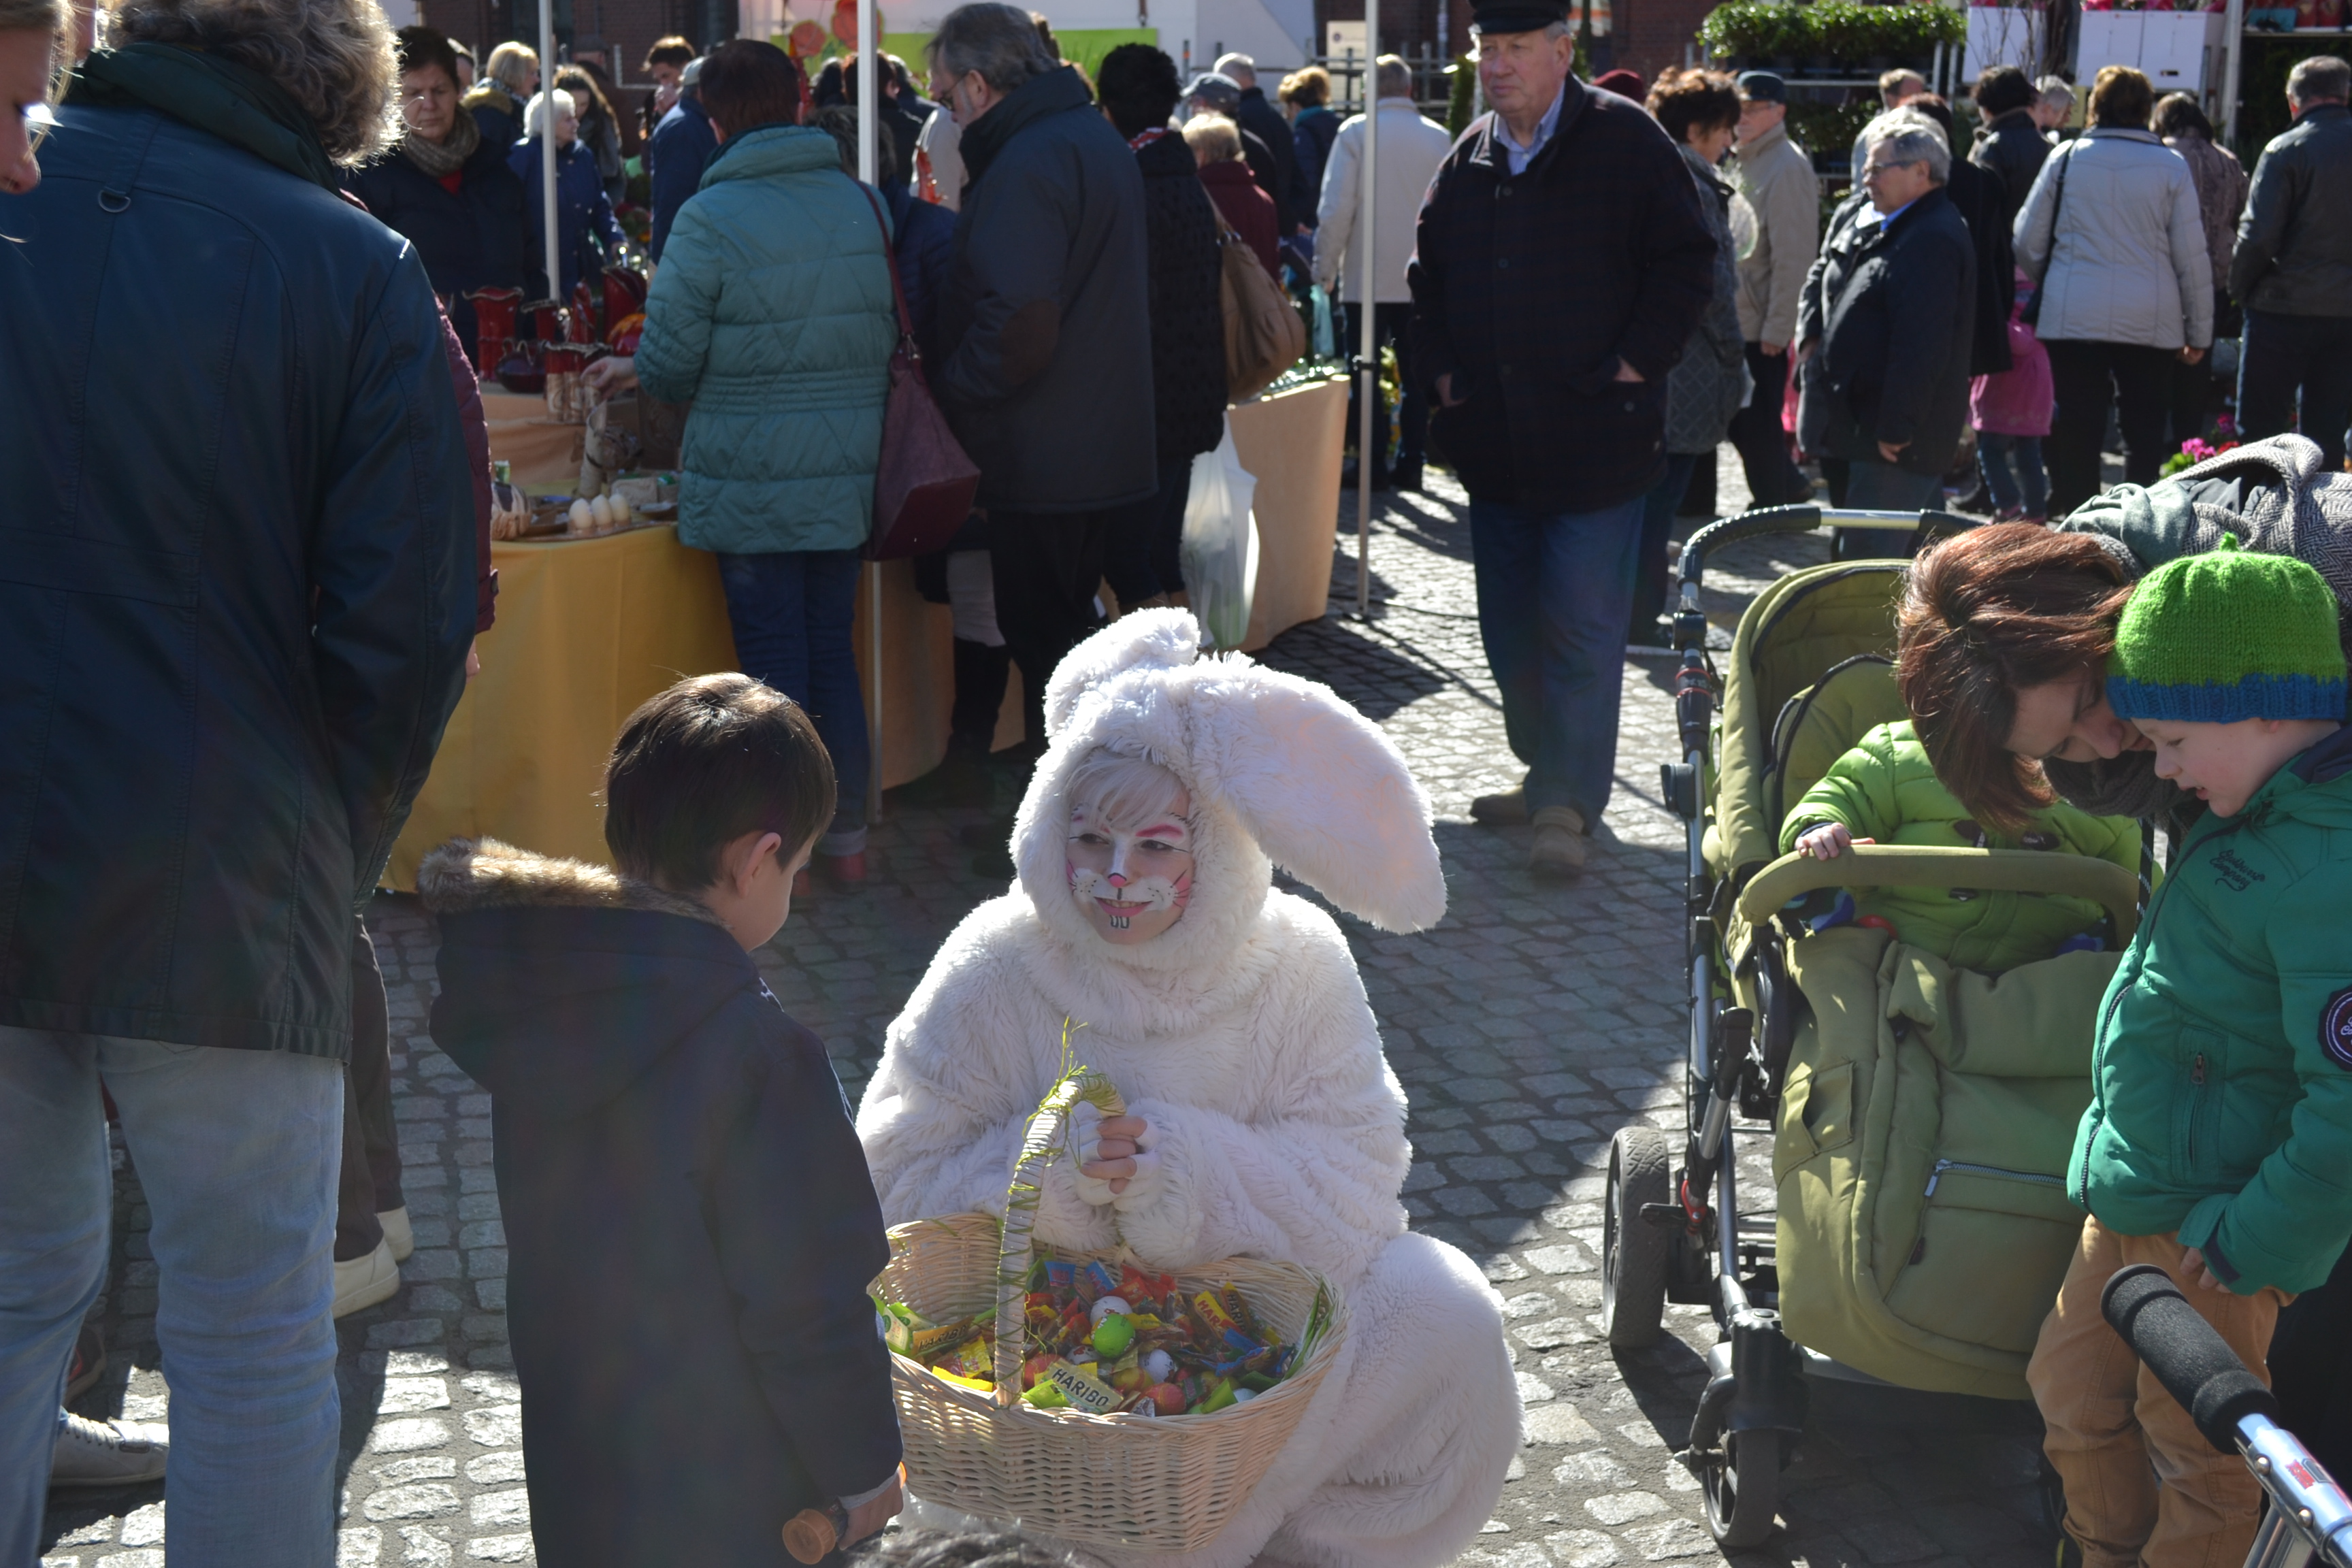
[[1562, 262], [234, 618]]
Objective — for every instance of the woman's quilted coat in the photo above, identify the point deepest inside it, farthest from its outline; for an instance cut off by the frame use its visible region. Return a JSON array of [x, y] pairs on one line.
[[772, 313]]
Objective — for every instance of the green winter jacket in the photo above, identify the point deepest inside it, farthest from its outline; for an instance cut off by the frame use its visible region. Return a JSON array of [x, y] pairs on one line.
[[1885, 789], [2221, 1079], [772, 313]]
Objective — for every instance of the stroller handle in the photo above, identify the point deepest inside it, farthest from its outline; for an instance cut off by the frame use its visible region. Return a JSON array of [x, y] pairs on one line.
[[1926, 866], [1803, 518], [2233, 1408]]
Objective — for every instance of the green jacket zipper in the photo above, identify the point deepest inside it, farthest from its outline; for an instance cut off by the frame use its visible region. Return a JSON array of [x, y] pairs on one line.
[[1967, 1169], [2196, 1104], [2137, 960]]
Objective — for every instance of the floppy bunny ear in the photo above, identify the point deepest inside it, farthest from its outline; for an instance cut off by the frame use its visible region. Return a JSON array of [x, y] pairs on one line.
[[1326, 794], [1165, 639]]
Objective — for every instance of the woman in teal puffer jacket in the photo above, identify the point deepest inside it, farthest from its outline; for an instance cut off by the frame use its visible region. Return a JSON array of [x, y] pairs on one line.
[[772, 313]]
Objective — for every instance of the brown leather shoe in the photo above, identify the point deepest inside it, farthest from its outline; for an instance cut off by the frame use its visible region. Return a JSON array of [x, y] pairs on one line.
[[1560, 848], [1509, 809]]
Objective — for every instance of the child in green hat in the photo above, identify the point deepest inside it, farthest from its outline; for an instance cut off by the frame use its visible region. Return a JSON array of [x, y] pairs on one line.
[[2218, 1143]]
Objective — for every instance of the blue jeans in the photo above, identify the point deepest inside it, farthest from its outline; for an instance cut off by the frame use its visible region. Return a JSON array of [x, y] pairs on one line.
[[1555, 595], [1874, 485], [791, 611], [1653, 580], [237, 1154], [2028, 486]]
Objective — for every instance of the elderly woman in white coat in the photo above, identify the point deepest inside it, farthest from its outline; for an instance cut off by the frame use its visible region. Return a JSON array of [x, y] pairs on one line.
[[2112, 234], [1262, 1118]]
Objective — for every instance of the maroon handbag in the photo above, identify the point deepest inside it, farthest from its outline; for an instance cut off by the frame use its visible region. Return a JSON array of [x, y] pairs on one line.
[[924, 484]]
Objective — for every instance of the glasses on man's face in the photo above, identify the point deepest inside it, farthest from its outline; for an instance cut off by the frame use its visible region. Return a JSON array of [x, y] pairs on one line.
[[1871, 170]]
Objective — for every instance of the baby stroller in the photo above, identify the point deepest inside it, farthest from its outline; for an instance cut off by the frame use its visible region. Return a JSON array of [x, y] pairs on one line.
[[1919, 1117]]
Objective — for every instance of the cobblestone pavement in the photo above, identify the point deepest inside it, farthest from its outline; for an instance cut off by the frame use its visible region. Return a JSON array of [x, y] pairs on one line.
[[1527, 1026]]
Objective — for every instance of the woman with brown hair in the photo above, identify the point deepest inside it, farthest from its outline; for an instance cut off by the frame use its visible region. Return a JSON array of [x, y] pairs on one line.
[[2004, 631]]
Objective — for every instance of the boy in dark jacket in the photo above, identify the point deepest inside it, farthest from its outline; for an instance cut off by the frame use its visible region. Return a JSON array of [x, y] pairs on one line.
[[2217, 1138], [690, 1224]]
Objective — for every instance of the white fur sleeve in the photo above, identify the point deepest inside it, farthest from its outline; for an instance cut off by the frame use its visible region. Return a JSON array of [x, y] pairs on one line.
[[1317, 1179], [942, 1117]]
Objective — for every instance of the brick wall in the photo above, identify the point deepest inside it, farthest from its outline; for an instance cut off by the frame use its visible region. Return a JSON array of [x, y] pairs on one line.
[[1649, 34]]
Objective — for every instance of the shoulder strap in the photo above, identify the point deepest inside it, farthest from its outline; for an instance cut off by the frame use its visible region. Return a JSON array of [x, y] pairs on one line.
[[2058, 196], [890, 260]]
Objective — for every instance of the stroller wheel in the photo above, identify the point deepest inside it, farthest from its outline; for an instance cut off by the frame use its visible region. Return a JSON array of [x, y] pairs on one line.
[[1743, 1493], [1633, 1252]]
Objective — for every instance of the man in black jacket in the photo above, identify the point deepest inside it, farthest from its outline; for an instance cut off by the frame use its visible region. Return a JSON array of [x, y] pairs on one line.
[[2292, 269], [1562, 262], [1292, 200], [1045, 332], [1883, 328], [235, 605], [1139, 88]]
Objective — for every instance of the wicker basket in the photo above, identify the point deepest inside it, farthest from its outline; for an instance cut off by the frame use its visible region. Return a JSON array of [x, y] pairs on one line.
[[1128, 1482]]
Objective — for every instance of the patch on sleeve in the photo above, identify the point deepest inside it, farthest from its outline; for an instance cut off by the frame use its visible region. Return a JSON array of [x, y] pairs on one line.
[[2336, 1028]]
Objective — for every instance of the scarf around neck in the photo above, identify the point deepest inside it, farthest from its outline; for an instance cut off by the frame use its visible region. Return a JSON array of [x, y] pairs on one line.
[[239, 106], [441, 158]]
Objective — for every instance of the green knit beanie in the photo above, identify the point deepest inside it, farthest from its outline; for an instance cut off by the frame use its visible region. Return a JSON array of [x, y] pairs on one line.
[[2226, 635]]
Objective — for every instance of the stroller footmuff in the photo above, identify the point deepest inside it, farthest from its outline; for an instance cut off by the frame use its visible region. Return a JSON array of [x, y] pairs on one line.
[[1920, 1156]]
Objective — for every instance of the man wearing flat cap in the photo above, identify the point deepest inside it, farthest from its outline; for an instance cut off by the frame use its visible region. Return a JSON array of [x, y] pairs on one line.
[[1777, 178], [1562, 263]]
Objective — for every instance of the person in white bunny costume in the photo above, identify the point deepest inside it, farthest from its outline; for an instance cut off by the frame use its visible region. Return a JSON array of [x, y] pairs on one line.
[[1262, 1118]]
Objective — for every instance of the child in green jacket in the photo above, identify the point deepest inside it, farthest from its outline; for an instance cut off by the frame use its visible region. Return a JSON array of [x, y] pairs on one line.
[[1884, 791], [2218, 1143]]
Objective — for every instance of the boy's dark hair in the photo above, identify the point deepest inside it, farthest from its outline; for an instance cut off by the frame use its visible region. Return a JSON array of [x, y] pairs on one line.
[[670, 52], [712, 758], [2000, 89], [423, 47], [839, 122], [954, 1549], [747, 83], [1138, 87]]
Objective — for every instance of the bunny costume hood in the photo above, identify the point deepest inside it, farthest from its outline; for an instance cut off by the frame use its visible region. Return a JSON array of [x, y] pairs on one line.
[[1241, 1038]]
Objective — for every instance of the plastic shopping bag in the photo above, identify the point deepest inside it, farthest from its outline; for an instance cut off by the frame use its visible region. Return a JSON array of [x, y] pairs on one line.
[[1322, 342], [1219, 550]]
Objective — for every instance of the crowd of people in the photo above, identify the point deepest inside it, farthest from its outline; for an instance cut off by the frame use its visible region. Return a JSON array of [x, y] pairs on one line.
[[258, 522]]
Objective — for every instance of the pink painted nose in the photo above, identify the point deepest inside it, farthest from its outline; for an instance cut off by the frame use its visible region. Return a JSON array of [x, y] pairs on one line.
[[1116, 880]]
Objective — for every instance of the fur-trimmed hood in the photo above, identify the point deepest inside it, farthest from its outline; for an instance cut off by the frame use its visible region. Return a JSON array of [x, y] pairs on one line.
[[468, 874], [561, 982]]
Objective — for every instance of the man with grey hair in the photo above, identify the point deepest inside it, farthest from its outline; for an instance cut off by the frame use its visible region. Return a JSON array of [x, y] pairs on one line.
[[2053, 104], [1561, 264], [2292, 269], [240, 595], [1213, 93], [1776, 176], [1262, 119], [1044, 367], [1885, 326]]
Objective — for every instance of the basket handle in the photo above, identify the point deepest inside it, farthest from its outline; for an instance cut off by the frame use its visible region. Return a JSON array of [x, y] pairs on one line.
[[1047, 1139]]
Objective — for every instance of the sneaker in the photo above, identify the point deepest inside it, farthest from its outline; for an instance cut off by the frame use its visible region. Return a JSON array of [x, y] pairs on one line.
[[107, 1453], [1560, 848], [842, 871], [396, 1233], [88, 1362], [1509, 809], [364, 1281]]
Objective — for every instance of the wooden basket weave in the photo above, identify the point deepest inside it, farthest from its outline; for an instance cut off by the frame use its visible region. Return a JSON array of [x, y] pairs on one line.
[[1129, 1482]]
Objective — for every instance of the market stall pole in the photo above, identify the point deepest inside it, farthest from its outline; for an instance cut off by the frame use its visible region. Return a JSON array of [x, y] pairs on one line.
[[2233, 60], [547, 146], [1368, 366], [869, 35]]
